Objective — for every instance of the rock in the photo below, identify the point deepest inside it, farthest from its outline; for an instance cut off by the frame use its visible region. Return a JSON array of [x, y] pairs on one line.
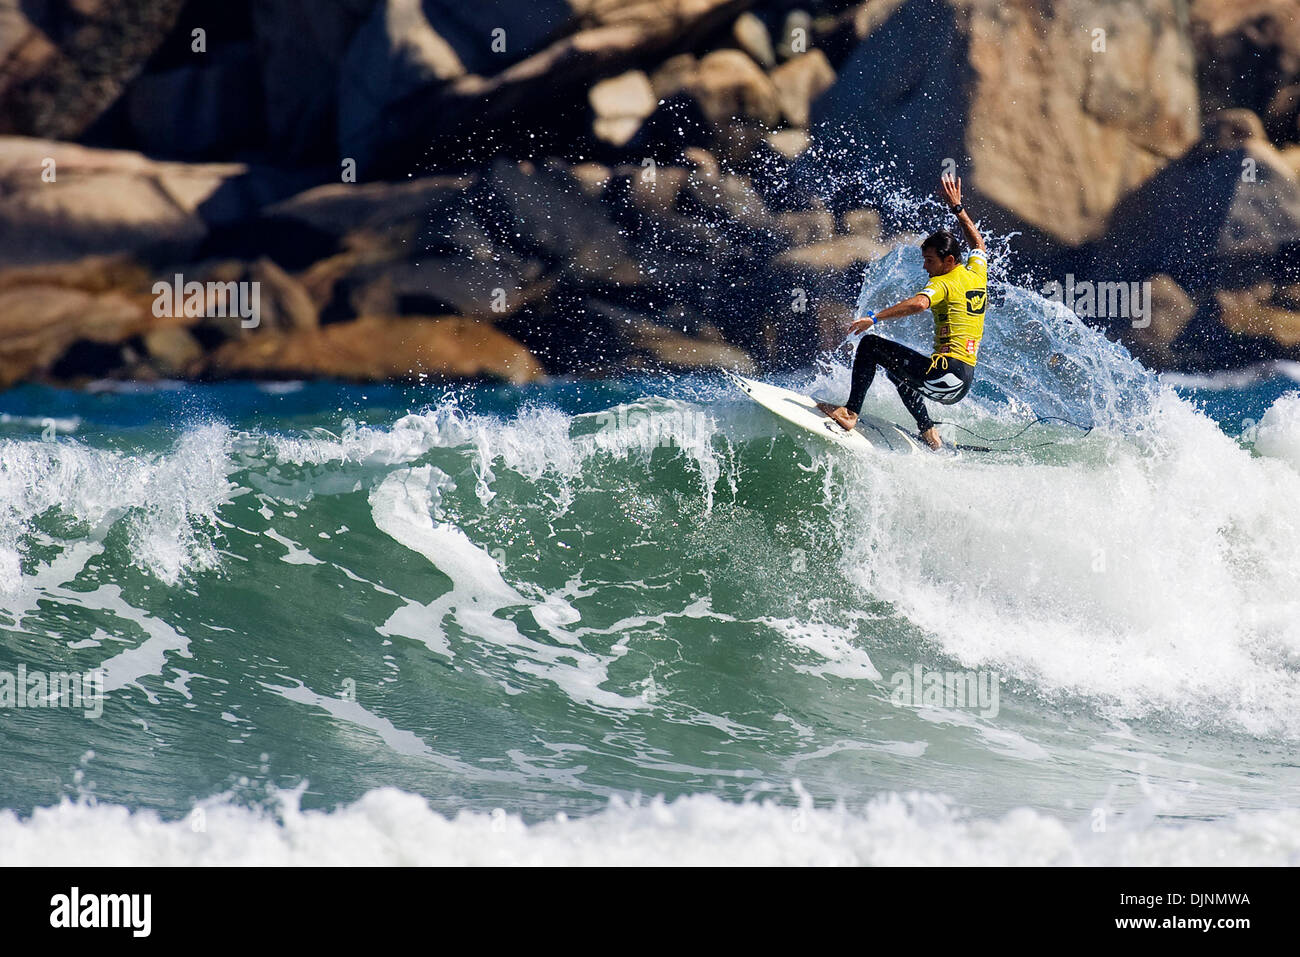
[[862, 222], [1291, 157], [789, 143], [805, 227], [1249, 54], [375, 348], [302, 44], [394, 54], [209, 109], [1250, 312], [1172, 310], [799, 82], [621, 103], [1282, 114], [63, 63], [675, 351], [592, 178], [608, 39], [728, 85], [101, 201], [42, 319], [1233, 196], [1018, 89], [173, 350], [527, 27], [673, 75], [285, 302], [750, 34], [379, 220], [838, 253]]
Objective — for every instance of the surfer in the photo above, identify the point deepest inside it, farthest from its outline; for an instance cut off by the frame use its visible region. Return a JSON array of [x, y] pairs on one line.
[[957, 294]]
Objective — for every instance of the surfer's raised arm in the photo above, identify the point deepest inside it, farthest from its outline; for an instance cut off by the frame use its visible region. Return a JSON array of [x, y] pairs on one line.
[[952, 193]]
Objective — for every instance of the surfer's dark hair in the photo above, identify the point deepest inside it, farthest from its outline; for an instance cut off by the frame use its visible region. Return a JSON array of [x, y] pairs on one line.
[[943, 244]]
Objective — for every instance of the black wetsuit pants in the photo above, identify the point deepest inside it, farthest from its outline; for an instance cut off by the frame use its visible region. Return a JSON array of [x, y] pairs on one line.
[[941, 378]]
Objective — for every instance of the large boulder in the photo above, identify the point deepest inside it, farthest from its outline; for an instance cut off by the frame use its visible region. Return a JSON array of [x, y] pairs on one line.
[[379, 347], [208, 108], [101, 201], [46, 310], [620, 104], [1228, 207], [1043, 121], [566, 54], [302, 44], [1248, 53], [799, 82], [64, 62]]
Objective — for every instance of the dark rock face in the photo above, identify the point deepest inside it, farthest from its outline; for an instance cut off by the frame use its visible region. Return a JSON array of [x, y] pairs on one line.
[[63, 63]]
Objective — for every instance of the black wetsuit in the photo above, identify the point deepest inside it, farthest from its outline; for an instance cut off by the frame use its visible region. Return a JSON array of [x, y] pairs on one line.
[[942, 378]]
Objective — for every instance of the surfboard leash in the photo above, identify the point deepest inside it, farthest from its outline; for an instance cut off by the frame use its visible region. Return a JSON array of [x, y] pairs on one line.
[[1007, 438]]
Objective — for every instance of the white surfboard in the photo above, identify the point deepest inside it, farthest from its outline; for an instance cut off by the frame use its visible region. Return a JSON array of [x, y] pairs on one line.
[[800, 412]]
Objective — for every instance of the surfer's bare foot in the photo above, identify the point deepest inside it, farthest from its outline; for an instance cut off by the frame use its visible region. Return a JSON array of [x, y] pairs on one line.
[[931, 436], [845, 419]]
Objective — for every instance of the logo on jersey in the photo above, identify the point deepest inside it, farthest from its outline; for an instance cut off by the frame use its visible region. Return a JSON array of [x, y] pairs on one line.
[[976, 300], [970, 347]]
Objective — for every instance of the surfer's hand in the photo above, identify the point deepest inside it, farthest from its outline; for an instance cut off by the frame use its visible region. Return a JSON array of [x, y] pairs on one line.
[[861, 325], [951, 189]]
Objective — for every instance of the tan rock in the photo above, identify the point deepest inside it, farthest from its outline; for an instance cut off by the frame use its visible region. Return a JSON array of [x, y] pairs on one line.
[[796, 35], [285, 302], [673, 75], [1250, 312], [100, 201], [174, 350], [378, 348], [862, 222], [38, 323], [750, 34], [840, 252], [621, 104], [1171, 311], [804, 227], [800, 81], [610, 37], [675, 350], [728, 85], [1048, 111], [592, 178], [1056, 131], [789, 142]]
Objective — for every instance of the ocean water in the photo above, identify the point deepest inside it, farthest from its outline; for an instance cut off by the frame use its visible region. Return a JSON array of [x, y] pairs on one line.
[[635, 621]]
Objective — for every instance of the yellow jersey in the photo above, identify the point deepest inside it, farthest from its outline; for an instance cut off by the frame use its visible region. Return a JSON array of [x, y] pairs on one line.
[[958, 299]]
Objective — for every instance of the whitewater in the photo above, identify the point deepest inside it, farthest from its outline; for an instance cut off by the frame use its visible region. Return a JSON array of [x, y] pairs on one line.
[[637, 622]]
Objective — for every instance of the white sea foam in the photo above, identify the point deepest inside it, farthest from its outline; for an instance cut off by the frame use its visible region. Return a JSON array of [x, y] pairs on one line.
[[171, 497], [1278, 433], [391, 827], [1161, 578]]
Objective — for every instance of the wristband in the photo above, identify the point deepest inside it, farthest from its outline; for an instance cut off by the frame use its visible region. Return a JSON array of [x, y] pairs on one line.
[[870, 315], [956, 210]]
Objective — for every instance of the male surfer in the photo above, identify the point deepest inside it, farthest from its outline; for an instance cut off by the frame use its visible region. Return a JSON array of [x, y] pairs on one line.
[[957, 294]]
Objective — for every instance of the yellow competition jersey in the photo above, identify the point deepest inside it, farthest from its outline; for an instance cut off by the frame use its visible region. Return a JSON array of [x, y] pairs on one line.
[[958, 299]]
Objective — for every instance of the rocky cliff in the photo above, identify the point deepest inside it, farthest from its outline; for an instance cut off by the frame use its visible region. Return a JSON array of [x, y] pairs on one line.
[[399, 188]]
